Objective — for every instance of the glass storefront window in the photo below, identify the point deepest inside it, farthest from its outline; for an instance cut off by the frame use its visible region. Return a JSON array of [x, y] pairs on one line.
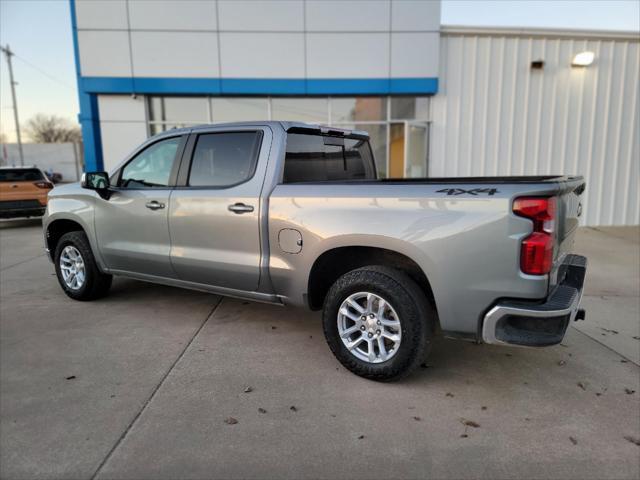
[[239, 109], [359, 109], [417, 150], [179, 109], [311, 110], [156, 128], [395, 131], [396, 150], [410, 108], [378, 139]]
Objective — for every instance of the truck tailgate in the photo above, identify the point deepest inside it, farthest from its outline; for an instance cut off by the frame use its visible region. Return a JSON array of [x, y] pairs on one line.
[[569, 209]]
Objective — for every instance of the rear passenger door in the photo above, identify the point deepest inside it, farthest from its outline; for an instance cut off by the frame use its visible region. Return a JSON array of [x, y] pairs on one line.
[[214, 214]]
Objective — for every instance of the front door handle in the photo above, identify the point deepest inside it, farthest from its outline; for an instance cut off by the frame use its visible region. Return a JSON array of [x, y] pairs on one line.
[[154, 205], [240, 208]]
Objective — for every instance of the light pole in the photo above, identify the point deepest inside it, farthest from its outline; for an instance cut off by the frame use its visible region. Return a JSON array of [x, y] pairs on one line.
[[8, 54]]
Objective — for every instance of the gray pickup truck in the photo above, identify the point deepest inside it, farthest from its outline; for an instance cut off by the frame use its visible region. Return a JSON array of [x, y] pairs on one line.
[[294, 214]]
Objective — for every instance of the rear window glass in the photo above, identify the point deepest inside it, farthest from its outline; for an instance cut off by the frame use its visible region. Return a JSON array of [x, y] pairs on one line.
[[314, 158], [20, 175], [224, 159]]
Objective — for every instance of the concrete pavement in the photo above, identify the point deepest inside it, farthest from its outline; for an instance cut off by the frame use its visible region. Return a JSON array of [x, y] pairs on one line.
[[611, 294], [138, 385]]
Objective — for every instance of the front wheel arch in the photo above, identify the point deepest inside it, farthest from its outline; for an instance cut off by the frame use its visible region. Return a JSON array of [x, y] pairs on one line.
[[95, 284], [57, 228]]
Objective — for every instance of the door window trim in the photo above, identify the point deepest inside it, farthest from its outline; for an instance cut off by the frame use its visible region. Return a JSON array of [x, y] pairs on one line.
[[173, 176], [182, 182]]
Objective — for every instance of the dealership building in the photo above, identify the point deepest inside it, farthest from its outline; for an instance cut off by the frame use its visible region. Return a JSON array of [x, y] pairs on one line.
[[436, 100]]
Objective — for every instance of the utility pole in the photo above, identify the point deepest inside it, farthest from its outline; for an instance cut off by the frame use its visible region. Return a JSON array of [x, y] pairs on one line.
[[8, 54]]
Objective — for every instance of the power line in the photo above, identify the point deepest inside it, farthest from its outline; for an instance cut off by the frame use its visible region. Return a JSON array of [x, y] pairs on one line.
[[8, 54], [51, 77]]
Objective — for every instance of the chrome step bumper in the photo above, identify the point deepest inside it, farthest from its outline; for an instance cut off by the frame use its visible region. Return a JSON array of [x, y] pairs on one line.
[[523, 323]]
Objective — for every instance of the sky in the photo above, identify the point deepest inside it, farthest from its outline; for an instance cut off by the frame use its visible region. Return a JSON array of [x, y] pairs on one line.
[[39, 32]]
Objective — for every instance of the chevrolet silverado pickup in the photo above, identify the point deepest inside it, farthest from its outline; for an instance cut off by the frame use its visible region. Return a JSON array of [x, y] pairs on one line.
[[294, 214]]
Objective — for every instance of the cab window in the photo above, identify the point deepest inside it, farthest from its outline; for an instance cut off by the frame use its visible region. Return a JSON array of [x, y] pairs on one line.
[[152, 167], [224, 159], [316, 158]]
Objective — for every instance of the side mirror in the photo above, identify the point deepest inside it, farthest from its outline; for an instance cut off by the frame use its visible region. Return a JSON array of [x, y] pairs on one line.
[[95, 180]]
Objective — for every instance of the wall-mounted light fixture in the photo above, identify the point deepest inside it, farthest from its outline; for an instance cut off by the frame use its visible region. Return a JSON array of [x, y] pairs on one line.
[[583, 59], [537, 64]]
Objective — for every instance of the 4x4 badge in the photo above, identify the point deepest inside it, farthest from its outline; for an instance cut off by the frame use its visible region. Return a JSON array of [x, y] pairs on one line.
[[461, 191]]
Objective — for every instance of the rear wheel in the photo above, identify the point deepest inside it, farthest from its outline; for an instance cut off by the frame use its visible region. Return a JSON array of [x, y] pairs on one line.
[[378, 322], [76, 268]]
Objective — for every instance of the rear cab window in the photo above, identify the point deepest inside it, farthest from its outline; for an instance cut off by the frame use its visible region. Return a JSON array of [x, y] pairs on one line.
[[322, 158], [20, 175], [224, 159]]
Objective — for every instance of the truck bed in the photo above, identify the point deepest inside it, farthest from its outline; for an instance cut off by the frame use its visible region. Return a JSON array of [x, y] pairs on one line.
[[458, 180]]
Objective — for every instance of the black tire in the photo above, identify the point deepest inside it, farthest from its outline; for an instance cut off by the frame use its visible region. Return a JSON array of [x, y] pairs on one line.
[[417, 320], [96, 283]]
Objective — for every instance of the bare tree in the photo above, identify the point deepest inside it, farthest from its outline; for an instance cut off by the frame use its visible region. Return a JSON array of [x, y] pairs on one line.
[[52, 129]]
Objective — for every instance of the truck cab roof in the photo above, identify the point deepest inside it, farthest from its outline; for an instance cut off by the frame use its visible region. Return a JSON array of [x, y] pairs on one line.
[[287, 126]]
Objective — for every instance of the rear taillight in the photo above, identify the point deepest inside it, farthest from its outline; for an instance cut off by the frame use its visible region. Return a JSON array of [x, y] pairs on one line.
[[47, 185], [536, 254]]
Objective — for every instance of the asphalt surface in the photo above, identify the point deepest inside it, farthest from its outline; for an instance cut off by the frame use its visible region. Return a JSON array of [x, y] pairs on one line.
[[139, 385]]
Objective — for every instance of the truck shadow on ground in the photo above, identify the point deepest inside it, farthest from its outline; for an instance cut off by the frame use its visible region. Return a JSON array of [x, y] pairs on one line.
[[457, 367], [494, 368], [20, 223], [137, 291]]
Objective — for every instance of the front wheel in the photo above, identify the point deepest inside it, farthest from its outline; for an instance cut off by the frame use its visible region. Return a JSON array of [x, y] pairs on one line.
[[76, 268], [378, 323]]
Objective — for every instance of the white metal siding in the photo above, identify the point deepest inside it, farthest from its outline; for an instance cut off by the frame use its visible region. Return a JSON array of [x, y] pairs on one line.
[[283, 39], [123, 126], [494, 115]]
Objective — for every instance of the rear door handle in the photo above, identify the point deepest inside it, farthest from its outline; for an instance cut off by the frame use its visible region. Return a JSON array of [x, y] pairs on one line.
[[240, 208], [154, 205]]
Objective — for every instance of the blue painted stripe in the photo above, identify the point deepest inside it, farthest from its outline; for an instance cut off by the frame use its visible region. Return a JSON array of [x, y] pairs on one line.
[[413, 86], [190, 86], [107, 84], [260, 86], [263, 86], [348, 86]]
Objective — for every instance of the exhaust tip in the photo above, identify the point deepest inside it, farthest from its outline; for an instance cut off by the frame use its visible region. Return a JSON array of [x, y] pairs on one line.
[[581, 314]]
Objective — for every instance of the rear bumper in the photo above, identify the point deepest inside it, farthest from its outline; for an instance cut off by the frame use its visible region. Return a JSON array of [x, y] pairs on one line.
[[513, 322], [22, 212], [34, 207]]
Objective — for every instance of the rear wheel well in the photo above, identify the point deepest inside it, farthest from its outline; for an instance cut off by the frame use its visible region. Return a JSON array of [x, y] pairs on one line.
[[332, 264], [57, 229]]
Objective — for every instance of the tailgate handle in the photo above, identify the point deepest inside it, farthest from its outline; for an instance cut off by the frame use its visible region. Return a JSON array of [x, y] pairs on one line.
[[240, 208]]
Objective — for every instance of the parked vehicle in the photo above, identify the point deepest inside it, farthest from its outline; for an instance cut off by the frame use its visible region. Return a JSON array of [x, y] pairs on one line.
[[23, 192], [55, 177], [293, 214]]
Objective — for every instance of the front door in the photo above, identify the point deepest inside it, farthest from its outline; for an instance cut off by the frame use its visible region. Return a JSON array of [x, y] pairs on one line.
[[214, 215], [132, 225]]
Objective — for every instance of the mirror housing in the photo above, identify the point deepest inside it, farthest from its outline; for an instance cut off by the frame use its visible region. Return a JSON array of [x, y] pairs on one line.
[[98, 181], [95, 181]]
